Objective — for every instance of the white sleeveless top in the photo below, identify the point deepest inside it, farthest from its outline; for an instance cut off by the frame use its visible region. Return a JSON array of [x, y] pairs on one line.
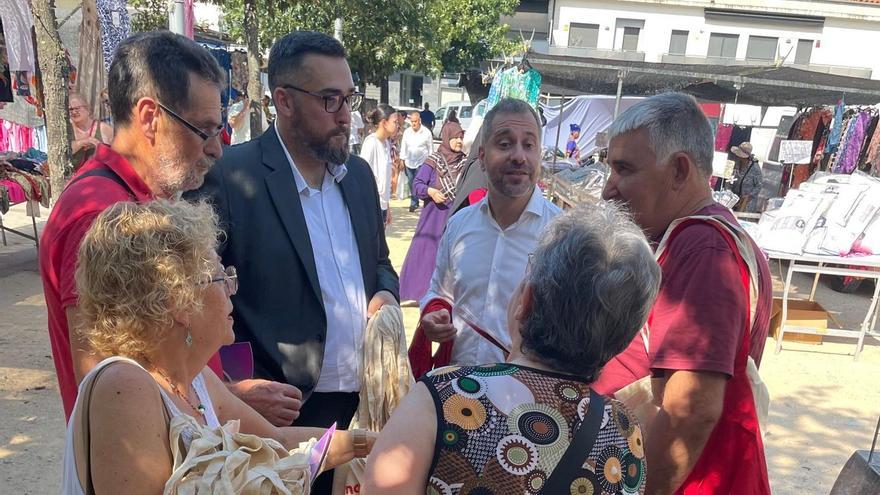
[[70, 484]]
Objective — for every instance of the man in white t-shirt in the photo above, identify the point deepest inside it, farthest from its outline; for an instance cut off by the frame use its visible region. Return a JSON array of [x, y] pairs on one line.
[[416, 145], [354, 139]]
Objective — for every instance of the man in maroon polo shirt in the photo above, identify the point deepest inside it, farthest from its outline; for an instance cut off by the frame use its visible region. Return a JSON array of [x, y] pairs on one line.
[[164, 92], [704, 325]]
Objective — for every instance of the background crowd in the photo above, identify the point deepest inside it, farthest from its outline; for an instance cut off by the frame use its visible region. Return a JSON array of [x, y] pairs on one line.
[[536, 371]]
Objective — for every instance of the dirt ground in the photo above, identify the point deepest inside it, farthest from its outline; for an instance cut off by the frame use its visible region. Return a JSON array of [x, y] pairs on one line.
[[824, 404]]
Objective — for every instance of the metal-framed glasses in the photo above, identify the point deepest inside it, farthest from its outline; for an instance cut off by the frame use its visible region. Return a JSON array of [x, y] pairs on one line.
[[333, 103], [189, 125], [229, 277]]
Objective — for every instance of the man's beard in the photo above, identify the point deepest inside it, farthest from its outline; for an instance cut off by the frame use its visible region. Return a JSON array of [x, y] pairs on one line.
[[320, 146], [509, 190], [173, 177]]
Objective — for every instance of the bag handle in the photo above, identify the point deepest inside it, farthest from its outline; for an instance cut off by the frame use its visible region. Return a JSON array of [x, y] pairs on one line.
[[85, 434], [84, 448], [580, 447]]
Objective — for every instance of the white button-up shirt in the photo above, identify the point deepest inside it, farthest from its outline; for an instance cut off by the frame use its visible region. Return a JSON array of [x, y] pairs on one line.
[[415, 147], [479, 266], [377, 153], [339, 274]]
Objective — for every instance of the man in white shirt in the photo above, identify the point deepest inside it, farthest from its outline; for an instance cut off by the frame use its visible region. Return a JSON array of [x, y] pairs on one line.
[[485, 249], [416, 145], [354, 139]]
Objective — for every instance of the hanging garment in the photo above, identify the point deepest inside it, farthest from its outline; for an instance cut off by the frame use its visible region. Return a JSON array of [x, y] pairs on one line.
[[722, 137], [239, 70], [5, 75], [836, 128], [874, 148], [849, 159], [517, 84], [188, 18], [21, 84], [92, 75], [866, 145], [17, 24], [494, 90], [115, 27]]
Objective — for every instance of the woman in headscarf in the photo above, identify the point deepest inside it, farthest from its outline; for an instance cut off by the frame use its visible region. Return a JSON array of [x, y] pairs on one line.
[[435, 185]]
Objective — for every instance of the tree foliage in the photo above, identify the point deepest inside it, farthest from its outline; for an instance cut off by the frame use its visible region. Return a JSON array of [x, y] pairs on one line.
[[149, 15], [381, 36]]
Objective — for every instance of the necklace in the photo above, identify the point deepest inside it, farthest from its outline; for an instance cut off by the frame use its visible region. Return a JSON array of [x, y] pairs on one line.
[[198, 408]]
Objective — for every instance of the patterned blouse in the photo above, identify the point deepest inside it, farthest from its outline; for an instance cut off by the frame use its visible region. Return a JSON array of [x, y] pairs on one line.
[[502, 428]]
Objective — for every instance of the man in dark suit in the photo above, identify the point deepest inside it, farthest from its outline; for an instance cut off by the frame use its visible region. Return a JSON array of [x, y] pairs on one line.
[[305, 231]]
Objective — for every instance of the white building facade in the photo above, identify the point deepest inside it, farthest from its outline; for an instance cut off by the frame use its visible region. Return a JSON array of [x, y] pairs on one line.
[[838, 37]]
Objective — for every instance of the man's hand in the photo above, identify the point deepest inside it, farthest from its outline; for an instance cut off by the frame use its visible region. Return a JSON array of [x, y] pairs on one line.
[[438, 326], [278, 402], [381, 298], [388, 217]]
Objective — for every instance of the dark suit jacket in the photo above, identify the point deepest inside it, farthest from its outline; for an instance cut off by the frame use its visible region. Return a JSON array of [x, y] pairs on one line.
[[278, 307]]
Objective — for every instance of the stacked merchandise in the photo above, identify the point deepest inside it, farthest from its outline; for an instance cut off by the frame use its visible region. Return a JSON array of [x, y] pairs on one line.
[[584, 183], [830, 215], [23, 177]]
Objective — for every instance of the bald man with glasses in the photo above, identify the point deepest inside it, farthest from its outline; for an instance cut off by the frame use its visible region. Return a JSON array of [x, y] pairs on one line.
[[304, 227]]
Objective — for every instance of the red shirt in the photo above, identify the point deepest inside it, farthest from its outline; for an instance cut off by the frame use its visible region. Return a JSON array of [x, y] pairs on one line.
[[698, 322], [71, 217]]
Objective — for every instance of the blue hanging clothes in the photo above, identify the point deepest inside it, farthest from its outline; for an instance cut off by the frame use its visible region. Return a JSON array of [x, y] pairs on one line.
[[836, 128]]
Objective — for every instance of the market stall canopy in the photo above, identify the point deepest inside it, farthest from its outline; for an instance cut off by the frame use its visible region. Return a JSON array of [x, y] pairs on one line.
[[747, 84]]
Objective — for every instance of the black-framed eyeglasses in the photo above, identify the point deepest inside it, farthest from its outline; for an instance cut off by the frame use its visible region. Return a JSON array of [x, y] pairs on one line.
[[230, 278], [189, 125], [333, 103]]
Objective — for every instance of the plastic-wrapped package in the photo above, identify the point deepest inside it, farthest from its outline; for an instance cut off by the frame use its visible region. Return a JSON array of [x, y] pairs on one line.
[[726, 198], [785, 229]]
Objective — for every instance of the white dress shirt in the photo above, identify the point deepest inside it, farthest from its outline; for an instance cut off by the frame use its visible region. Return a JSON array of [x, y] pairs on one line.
[[415, 147], [479, 266], [377, 153], [339, 275]]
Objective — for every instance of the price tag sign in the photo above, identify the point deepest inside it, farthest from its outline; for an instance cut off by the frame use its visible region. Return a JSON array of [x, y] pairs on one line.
[[795, 152]]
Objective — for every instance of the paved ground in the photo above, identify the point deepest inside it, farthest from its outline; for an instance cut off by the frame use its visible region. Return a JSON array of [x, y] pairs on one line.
[[825, 404]]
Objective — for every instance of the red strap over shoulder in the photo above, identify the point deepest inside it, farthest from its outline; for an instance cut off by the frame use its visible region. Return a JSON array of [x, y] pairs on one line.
[[420, 358]]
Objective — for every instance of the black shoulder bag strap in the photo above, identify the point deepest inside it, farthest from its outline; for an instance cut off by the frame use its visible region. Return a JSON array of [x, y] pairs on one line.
[[582, 443], [102, 172]]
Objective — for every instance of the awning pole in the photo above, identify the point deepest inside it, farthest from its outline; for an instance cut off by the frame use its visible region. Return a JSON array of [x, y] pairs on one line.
[[552, 191], [619, 93]]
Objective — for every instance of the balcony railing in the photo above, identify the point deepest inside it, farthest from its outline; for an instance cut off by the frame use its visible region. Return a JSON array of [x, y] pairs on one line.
[[839, 70], [572, 51]]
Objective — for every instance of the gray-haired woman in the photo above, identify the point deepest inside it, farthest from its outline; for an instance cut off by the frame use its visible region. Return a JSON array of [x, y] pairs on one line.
[[505, 428]]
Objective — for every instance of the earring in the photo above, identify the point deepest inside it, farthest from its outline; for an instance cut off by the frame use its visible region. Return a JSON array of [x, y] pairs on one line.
[[189, 338]]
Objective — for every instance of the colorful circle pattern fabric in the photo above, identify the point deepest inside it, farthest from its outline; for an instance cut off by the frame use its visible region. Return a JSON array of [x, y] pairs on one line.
[[583, 486], [609, 465], [633, 473], [517, 455], [568, 391], [464, 412], [469, 387], [636, 443], [453, 438], [500, 369], [535, 481]]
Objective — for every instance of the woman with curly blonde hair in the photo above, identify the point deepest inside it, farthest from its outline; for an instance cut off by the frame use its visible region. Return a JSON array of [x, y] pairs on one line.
[[155, 297]]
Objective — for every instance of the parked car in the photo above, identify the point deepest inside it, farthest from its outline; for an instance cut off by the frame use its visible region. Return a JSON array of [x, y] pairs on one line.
[[465, 112]]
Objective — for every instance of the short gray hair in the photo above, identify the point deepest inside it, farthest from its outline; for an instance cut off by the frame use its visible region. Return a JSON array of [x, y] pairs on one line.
[[508, 106], [675, 123], [593, 281]]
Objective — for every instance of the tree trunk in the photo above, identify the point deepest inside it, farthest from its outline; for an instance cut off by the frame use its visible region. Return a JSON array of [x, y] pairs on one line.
[[51, 59], [255, 63], [383, 91], [472, 82]]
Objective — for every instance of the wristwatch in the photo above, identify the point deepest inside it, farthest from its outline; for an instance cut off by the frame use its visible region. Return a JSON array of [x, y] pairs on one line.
[[359, 438]]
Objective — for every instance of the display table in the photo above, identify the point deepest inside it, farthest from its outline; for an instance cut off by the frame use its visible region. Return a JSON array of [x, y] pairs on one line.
[[856, 266], [17, 196]]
